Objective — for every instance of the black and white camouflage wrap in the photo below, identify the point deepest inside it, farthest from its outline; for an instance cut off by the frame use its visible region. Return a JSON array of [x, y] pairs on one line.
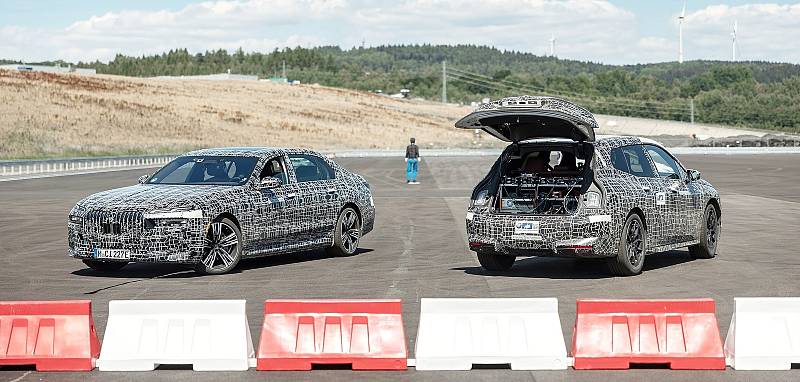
[[293, 217], [672, 210]]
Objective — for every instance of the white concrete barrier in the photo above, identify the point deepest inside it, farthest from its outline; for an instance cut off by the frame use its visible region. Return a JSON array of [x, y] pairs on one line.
[[209, 335], [764, 333], [455, 334]]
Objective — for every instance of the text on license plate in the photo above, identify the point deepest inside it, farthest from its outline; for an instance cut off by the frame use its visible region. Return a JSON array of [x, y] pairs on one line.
[[116, 254], [526, 230]]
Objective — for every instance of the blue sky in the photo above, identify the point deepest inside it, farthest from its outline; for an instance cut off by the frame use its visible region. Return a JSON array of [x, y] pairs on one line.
[[615, 31]]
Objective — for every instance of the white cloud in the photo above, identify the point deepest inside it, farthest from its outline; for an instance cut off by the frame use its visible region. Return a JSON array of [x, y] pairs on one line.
[[765, 32], [593, 30]]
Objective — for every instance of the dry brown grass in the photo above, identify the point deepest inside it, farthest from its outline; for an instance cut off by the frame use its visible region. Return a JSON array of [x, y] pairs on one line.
[[65, 115]]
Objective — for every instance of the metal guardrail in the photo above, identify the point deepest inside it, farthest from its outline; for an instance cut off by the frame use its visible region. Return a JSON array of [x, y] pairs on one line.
[[16, 168], [27, 169]]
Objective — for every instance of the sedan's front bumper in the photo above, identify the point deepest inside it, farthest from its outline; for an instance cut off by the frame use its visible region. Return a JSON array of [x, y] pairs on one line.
[[178, 243], [578, 235]]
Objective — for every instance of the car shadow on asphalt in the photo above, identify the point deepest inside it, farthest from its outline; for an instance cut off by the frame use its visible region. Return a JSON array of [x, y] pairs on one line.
[[168, 271], [566, 268], [290, 258]]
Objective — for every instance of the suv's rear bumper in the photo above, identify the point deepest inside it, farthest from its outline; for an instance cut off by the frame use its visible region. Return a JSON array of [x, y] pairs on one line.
[[579, 235]]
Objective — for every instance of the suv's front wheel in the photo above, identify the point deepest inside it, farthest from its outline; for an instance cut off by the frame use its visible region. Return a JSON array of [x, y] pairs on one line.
[[495, 262]]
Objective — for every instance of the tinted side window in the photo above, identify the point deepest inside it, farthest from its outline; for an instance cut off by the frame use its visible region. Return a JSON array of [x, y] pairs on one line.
[[631, 159], [666, 166], [308, 168], [274, 168]]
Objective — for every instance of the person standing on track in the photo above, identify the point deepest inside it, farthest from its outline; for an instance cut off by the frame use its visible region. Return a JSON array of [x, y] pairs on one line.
[[412, 162]]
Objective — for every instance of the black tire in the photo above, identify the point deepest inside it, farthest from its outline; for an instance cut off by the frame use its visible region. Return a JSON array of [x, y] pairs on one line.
[[708, 234], [347, 233], [632, 248], [105, 266], [495, 262], [222, 250]]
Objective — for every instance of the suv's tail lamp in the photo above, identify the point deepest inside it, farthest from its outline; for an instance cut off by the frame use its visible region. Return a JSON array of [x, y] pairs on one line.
[[481, 199], [592, 199]]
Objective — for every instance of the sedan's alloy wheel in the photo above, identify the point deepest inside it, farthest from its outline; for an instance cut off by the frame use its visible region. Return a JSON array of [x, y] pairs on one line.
[[351, 231], [221, 248], [347, 233]]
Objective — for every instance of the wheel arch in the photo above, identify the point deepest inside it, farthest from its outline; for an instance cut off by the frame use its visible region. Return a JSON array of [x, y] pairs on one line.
[[640, 212], [715, 202], [230, 216], [355, 207]]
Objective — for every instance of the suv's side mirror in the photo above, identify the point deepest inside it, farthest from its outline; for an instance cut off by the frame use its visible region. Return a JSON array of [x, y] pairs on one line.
[[143, 178], [693, 175], [270, 182]]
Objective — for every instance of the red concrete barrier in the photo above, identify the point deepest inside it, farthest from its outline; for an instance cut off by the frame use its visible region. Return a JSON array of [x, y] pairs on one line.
[[613, 334], [366, 334], [52, 335]]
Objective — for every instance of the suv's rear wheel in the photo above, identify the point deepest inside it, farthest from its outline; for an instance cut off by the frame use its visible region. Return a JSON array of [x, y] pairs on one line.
[[632, 248], [222, 250], [495, 262], [708, 234], [105, 266]]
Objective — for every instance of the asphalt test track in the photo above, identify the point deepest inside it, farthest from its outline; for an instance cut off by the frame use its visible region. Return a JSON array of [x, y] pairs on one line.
[[417, 250]]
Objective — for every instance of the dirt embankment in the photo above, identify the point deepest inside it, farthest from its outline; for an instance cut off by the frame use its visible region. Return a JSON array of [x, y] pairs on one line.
[[53, 115], [45, 114]]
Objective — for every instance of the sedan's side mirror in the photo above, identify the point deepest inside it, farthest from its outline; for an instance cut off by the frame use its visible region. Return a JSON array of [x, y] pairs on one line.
[[143, 178], [693, 175], [270, 182]]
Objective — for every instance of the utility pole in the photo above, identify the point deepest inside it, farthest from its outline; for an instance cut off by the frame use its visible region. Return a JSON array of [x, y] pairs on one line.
[[691, 110], [444, 81], [681, 19]]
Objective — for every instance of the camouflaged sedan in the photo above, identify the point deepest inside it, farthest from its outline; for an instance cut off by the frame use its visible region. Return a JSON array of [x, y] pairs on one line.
[[559, 190], [210, 208]]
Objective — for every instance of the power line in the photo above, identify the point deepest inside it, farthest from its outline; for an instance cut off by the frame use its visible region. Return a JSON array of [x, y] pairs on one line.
[[500, 85], [608, 100]]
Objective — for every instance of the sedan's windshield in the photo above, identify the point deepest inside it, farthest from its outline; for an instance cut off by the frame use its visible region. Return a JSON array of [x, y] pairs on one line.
[[221, 170]]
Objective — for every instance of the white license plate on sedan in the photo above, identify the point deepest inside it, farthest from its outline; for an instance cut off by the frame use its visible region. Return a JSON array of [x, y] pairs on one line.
[[112, 254]]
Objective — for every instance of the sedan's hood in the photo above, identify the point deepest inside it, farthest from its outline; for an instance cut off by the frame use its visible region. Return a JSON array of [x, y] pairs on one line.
[[516, 119], [157, 197]]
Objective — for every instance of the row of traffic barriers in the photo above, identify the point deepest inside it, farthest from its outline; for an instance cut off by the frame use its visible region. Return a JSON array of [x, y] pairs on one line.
[[453, 334]]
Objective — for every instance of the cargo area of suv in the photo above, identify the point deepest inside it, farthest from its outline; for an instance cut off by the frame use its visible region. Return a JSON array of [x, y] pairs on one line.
[[543, 178]]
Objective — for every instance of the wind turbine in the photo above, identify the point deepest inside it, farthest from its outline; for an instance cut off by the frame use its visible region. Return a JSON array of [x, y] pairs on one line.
[[733, 42], [552, 45], [681, 18]]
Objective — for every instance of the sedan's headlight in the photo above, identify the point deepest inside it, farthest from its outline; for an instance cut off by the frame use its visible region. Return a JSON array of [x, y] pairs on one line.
[[592, 199], [170, 218], [194, 214]]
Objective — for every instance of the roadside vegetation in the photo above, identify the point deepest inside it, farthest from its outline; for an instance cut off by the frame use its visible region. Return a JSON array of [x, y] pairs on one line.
[[758, 95]]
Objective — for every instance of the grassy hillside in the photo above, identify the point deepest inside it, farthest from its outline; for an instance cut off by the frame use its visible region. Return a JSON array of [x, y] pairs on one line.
[[53, 115], [747, 94]]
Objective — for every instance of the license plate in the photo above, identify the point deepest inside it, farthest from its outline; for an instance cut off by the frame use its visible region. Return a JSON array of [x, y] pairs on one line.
[[114, 254], [526, 230]]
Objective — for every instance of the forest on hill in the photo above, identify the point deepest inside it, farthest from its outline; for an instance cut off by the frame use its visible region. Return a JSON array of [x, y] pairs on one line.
[[758, 95]]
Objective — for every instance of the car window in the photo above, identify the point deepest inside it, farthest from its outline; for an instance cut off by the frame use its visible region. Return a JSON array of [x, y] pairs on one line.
[[666, 166], [220, 170], [631, 159], [274, 168], [308, 168]]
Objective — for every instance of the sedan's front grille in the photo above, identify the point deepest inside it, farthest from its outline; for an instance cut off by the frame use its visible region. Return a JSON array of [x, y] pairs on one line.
[[114, 222]]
